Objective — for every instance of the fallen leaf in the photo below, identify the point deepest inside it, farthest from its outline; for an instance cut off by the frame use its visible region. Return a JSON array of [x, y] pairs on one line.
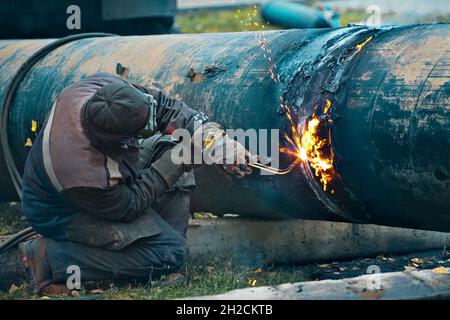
[[204, 215], [441, 270], [96, 291], [323, 265], [252, 282], [75, 293], [29, 143], [417, 260], [13, 288], [371, 294], [410, 268], [172, 279], [34, 126]]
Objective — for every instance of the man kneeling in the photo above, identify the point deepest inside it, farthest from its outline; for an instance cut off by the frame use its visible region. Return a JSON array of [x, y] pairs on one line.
[[101, 200]]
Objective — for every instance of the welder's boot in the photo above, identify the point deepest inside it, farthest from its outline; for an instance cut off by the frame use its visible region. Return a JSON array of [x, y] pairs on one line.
[[29, 261], [12, 269], [35, 260]]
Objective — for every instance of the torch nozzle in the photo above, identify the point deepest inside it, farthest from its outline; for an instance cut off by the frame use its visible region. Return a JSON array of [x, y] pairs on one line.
[[273, 170]]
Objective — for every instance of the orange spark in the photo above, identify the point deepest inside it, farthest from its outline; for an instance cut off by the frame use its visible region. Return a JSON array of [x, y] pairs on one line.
[[327, 107], [359, 47]]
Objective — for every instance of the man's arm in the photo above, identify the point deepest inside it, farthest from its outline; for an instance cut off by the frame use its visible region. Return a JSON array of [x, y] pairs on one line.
[[173, 114], [123, 202]]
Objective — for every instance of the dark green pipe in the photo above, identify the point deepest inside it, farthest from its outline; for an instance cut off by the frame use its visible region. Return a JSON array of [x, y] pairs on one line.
[[293, 15], [390, 132]]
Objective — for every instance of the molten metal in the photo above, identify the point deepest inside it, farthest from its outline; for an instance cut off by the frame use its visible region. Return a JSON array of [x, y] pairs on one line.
[[313, 146]]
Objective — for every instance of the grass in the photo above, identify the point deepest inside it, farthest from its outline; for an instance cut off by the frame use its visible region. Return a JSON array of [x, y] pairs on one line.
[[216, 276], [11, 219], [350, 16], [227, 20]]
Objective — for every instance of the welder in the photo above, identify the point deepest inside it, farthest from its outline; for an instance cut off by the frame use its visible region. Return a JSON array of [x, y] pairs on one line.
[[102, 190]]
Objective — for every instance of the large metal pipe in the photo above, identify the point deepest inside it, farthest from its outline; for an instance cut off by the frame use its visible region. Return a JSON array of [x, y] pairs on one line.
[[389, 95]]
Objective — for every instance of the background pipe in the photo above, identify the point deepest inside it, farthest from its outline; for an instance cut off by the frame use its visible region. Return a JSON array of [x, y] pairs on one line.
[[293, 15], [389, 106]]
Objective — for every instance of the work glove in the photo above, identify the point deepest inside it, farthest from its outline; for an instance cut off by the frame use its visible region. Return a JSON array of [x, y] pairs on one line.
[[219, 149], [209, 145]]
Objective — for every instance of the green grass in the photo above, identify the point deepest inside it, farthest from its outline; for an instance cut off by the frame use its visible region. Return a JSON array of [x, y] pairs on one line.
[[11, 219], [227, 20], [244, 19], [219, 275], [350, 16], [216, 276]]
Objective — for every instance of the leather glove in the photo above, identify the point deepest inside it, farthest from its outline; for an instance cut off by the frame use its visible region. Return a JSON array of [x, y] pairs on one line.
[[217, 148]]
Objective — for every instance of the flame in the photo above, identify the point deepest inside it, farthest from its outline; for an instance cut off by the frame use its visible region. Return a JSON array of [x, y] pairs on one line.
[[311, 147]]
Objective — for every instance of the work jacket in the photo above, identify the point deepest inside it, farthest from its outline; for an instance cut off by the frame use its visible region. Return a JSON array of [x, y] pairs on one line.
[[72, 189]]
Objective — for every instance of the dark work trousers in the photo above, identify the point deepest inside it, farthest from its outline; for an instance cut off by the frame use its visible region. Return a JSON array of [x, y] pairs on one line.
[[144, 259]]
